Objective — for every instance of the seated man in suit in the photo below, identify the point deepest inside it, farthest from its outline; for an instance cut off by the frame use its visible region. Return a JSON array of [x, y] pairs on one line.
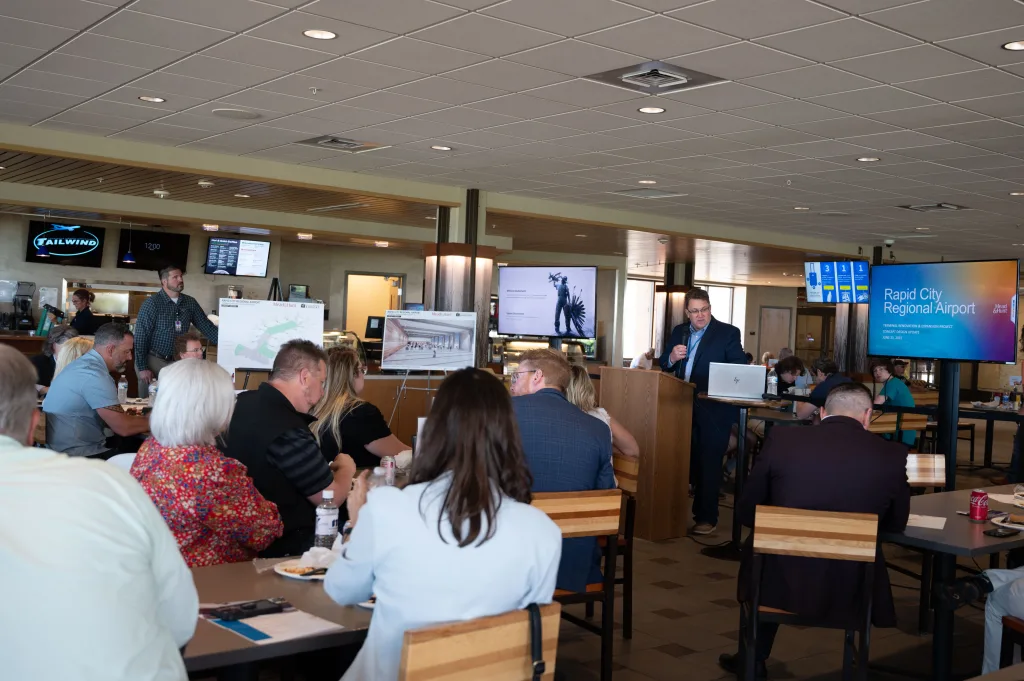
[[834, 466], [566, 449]]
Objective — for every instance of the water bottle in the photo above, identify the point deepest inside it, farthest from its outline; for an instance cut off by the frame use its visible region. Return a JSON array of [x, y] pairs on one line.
[[377, 479], [153, 388], [773, 383], [122, 390], [389, 466], [326, 521]]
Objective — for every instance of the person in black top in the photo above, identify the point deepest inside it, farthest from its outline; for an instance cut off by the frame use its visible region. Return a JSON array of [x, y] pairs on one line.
[[825, 374], [46, 362], [348, 424], [85, 323], [788, 369]]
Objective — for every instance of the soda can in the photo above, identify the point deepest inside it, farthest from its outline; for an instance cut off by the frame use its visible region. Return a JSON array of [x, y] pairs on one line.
[[979, 506], [389, 466]]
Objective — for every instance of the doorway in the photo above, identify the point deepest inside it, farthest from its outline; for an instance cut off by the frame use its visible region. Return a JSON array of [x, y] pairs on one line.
[[369, 294]]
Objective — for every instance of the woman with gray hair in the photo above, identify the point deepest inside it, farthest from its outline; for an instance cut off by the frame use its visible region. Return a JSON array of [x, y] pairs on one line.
[[207, 499], [46, 362]]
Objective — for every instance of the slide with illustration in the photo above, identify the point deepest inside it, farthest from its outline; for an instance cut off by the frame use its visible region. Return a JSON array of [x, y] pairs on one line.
[[547, 301]]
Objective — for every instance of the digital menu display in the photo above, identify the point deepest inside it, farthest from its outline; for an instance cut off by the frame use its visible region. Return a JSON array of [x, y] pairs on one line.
[[837, 282], [237, 257]]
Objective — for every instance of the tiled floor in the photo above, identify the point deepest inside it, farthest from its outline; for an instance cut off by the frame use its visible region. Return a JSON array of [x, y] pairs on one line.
[[685, 615]]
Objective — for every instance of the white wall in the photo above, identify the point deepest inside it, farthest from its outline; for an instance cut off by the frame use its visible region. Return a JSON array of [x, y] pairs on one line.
[[202, 287], [771, 296], [323, 267]]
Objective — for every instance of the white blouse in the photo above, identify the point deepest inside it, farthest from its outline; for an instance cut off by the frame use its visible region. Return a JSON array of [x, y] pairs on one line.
[[396, 553]]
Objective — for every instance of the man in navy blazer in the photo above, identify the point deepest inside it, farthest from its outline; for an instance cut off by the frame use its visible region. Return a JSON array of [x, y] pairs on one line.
[[693, 346], [566, 449]]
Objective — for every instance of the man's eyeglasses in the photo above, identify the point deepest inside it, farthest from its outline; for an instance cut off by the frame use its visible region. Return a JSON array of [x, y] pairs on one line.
[[515, 374], [703, 310]]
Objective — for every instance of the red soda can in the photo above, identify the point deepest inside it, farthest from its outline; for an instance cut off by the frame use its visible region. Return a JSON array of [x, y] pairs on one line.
[[979, 506]]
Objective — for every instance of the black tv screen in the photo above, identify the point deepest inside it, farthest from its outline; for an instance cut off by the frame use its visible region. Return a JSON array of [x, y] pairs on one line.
[[52, 243], [237, 257], [152, 250]]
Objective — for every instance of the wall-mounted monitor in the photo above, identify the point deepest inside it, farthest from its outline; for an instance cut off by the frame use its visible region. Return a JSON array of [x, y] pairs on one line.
[[52, 243], [840, 281], [152, 250], [547, 301], [965, 311], [237, 257]]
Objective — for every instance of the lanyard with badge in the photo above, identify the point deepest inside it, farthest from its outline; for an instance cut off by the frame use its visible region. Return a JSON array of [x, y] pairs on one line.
[[177, 321]]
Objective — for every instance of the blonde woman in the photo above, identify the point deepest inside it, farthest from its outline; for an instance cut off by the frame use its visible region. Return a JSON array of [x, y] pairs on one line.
[[581, 393], [345, 422], [71, 350]]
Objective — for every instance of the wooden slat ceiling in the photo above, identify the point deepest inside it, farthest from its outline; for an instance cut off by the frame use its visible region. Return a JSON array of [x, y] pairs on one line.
[[69, 173], [717, 261]]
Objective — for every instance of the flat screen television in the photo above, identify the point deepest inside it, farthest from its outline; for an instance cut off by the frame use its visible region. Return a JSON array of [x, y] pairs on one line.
[[237, 257], [547, 301], [52, 243], [152, 250], [964, 311], [837, 281]]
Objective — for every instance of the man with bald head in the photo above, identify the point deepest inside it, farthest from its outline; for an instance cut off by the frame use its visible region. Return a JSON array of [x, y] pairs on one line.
[[834, 466]]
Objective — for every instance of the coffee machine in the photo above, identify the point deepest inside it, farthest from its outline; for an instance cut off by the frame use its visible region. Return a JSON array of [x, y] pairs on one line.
[[23, 317]]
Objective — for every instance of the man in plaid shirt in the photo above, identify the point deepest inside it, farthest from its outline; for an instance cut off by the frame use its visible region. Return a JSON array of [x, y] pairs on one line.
[[162, 318]]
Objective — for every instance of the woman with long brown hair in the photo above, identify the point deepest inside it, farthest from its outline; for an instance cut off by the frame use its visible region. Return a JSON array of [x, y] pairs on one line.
[[347, 423], [460, 541]]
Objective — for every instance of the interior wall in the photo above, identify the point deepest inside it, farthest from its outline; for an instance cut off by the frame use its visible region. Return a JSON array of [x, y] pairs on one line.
[[368, 296], [770, 296], [203, 287]]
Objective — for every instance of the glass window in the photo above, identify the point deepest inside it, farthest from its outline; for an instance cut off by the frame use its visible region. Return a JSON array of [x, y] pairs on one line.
[[637, 318], [721, 302]]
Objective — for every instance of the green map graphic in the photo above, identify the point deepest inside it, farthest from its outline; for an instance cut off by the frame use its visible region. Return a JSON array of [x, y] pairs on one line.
[[263, 350]]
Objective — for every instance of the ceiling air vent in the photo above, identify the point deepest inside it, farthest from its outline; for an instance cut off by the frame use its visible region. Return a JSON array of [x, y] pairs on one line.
[[655, 78], [342, 144], [647, 193], [935, 207]]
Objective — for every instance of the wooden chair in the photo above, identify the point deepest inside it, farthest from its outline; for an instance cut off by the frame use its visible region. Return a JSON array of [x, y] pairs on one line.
[[1013, 635], [250, 379], [496, 648], [627, 470], [590, 514], [926, 470], [811, 534]]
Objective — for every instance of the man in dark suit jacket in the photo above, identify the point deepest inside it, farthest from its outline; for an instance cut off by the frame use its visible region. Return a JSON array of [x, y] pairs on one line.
[[566, 449], [834, 466], [691, 349]]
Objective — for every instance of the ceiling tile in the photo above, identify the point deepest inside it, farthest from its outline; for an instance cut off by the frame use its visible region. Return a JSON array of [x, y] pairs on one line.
[[43, 97], [199, 119], [267, 53], [673, 110], [925, 116], [864, 6], [32, 34], [756, 19], [252, 139], [972, 85], [486, 35], [595, 142], [663, 5], [228, 15], [981, 163], [92, 69], [788, 112], [760, 156], [163, 131], [391, 102], [943, 19], [941, 152], [657, 37], [25, 113], [590, 121], [822, 149], [715, 124], [163, 83], [447, 90], [848, 126], [111, 123], [566, 17], [362, 73], [838, 40], [396, 16], [810, 81], [178, 35], [468, 118], [17, 56], [223, 71], [104, 107], [749, 172], [988, 47], [648, 152], [652, 134], [130, 95], [534, 130], [804, 165], [269, 101], [421, 128], [52, 82], [408, 53], [900, 139], [293, 153], [980, 130], [314, 126], [739, 60], [911, 63], [289, 29], [73, 14], [772, 137], [525, 106], [725, 96], [1012, 144], [574, 58], [1002, 106], [117, 51], [298, 85], [701, 163], [498, 73], [350, 117], [872, 100], [586, 93]]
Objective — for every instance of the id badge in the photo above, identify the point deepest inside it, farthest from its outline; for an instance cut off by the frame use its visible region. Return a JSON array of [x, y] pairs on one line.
[[177, 325]]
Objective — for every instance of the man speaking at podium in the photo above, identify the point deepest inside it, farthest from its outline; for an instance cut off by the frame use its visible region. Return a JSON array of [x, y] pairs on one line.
[[691, 349]]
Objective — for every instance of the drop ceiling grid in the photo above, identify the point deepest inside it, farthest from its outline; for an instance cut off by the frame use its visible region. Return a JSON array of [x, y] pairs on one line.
[[716, 24]]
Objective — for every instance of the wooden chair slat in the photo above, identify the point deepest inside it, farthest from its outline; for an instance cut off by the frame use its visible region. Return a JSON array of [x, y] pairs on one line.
[[926, 470], [815, 534], [627, 472], [582, 514]]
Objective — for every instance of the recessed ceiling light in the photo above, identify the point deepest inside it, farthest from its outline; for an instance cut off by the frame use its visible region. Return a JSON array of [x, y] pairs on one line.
[[211, 228], [380, 244], [922, 229], [318, 34], [2, 168], [430, 217], [1018, 244], [617, 252], [303, 236], [800, 208], [155, 100], [647, 182], [582, 236], [1011, 193], [205, 184], [440, 147], [1016, 45], [242, 196], [651, 110], [868, 159]]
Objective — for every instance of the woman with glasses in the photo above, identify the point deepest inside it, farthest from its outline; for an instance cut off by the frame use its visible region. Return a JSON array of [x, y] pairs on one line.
[[346, 423], [188, 346]]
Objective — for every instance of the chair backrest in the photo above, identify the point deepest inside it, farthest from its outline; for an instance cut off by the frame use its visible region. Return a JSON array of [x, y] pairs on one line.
[[815, 534], [123, 461], [494, 648], [250, 379], [582, 514], [627, 470], [926, 470]]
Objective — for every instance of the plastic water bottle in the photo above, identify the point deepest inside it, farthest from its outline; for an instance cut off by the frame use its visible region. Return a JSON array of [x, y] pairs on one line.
[[326, 521], [773, 383], [153, 388], [122, 390], [377, 479], [389, 466]]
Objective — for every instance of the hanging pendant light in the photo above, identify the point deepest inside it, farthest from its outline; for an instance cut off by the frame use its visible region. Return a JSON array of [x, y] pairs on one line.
[[128, 258]]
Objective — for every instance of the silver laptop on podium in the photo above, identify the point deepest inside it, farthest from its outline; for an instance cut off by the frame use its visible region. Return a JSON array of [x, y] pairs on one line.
[[736, 381]]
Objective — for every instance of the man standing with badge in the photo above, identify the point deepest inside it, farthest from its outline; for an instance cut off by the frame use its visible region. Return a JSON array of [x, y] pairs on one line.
[[162, 318], [693, 346]]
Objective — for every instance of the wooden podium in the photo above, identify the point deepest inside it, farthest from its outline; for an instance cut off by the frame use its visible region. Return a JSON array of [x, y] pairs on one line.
[[657, 408]]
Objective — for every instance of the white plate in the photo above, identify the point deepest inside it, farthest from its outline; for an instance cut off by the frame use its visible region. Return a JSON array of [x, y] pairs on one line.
[[369, 605], [294, 562], [1004, 521]]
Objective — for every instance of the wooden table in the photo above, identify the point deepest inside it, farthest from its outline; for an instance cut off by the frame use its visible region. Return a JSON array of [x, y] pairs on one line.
[[885, 423], [989, 414], [1012, 673], [213, 647]]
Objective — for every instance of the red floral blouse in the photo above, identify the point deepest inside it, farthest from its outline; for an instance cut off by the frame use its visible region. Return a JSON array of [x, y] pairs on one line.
[[208, 501]]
